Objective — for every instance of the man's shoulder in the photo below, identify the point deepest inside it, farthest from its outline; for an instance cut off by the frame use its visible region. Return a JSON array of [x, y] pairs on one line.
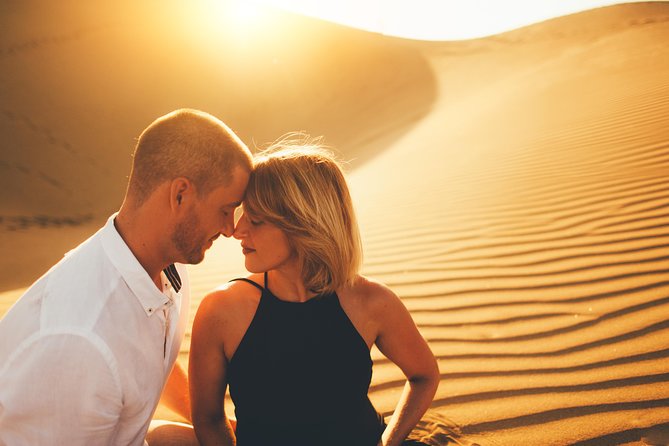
[[76, 289], [63, 277], [86, 251], [85, 266]]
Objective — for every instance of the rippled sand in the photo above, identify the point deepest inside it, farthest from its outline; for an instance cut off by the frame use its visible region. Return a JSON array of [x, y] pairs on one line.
[[513, 191]]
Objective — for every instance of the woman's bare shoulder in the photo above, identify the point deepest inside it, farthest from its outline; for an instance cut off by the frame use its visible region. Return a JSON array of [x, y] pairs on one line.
[[371, 293], [370, 304], [231, 295]]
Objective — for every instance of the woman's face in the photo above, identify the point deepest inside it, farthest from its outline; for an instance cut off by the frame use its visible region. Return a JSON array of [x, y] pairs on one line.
[[264, 245]]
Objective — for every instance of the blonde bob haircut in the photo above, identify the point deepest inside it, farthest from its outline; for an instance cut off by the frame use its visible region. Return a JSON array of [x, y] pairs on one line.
[[298, 186]]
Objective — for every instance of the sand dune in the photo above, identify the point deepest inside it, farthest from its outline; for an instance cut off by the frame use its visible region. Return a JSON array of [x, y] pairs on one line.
[[512, 190], [527, 229], [77, 91]]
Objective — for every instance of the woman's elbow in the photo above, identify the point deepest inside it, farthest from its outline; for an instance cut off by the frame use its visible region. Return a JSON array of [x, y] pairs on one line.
[[203, 420], [429, 376]]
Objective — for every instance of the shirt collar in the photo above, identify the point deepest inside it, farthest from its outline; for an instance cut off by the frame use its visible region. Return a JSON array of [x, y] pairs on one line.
[[135, 276], [173, 277]]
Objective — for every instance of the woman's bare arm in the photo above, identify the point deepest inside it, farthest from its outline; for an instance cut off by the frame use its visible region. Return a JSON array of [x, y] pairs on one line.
[[175, 394], [399, 340], [207, 374]]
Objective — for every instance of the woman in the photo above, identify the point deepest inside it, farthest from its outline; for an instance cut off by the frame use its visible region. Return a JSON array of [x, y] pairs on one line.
[[292, 341]]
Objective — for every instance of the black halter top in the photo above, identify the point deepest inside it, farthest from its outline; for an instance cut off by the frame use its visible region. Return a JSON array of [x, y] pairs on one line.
[[300, 376]]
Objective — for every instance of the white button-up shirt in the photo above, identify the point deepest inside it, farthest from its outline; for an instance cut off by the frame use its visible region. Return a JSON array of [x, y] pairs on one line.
[[86, 351]]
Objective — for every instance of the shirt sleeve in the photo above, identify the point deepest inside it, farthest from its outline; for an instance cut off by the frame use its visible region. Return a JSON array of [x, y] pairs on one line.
[[60, 388]]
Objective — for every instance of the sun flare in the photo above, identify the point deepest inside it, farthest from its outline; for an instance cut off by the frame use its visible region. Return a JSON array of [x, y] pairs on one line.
[[246, 13]]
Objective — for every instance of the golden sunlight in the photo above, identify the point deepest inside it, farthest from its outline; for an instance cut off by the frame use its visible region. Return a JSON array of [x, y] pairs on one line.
[[437, 19], [237, 16], [246, 13]]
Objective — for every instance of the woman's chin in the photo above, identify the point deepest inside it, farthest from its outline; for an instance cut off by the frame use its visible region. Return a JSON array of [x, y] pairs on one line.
[[253, 269]]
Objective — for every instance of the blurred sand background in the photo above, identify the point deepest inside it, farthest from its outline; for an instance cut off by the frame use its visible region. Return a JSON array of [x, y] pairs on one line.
[[511, 189]]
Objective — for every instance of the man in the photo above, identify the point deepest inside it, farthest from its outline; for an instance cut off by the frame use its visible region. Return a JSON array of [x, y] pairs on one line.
[[86, 352]]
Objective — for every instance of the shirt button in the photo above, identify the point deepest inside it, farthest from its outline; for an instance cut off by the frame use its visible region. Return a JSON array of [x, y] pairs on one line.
[[150, 310]]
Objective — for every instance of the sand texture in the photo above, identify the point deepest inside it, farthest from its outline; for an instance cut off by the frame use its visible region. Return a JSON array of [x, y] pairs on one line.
[[513, 190]]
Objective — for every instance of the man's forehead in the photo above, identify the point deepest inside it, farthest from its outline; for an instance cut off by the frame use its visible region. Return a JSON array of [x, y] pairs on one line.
[[226, 196], [232, 204]]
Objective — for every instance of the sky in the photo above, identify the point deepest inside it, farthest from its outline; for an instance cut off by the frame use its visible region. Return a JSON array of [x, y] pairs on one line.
[[430, 19]]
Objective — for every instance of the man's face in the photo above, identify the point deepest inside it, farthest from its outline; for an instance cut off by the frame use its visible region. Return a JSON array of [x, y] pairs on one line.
[[208, 217]]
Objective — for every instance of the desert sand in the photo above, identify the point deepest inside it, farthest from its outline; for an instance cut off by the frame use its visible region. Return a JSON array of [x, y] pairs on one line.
[[512, 189]]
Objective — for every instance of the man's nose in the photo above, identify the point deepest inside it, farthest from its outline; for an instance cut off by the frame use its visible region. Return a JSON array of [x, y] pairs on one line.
[[228, 227], [240, 227]]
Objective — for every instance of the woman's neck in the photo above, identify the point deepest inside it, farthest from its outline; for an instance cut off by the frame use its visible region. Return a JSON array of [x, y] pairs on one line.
[[286, 283]]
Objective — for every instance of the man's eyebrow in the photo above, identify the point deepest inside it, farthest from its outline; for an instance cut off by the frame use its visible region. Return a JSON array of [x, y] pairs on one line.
[[233, 204]]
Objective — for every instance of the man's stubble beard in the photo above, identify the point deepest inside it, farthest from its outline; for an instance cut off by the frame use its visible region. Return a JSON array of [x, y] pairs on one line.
[[186, 239]]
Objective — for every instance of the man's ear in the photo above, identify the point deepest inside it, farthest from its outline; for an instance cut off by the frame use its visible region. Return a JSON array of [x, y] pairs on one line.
[[181, 189]]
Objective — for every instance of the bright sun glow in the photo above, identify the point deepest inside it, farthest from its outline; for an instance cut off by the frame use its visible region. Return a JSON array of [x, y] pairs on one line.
[[437, 19], [241, 18], [246, 12]]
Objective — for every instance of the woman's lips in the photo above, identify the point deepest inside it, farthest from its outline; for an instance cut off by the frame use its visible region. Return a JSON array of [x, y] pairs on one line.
[[247, 250]]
